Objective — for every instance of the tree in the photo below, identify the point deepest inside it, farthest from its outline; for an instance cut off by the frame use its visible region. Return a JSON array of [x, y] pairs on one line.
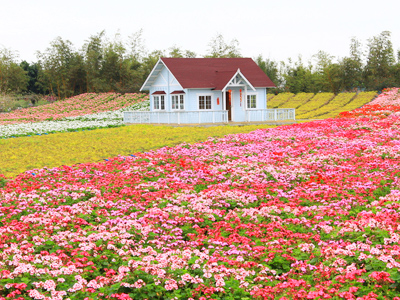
[[351, 68], [13, 78], [93, 60], [298, 78], [149, 62], [113, 65], [380, 60], [177, 52], [32, 72], [77, 74], [55, 68], [219, 48], [327, 74], [136, 47], [270, 68]]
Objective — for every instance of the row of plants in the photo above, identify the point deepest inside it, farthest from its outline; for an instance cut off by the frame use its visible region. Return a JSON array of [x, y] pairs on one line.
[[278, 100], [327, 105], [103, 119], [339, 101], [297, 101], [82, 104], [304, 211], [358, 101], [25, 153], [316, 102]]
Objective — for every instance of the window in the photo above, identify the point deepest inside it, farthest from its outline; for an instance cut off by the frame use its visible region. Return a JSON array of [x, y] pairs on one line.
[[159, 102], [204, 102], [251, 101], [178, 102]]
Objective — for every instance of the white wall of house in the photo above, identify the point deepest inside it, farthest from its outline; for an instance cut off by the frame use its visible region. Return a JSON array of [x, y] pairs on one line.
[[239, 109], [165, 82], [192, 97]]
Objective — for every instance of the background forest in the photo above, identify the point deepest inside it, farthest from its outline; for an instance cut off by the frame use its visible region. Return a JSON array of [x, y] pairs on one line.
[[116, 65]]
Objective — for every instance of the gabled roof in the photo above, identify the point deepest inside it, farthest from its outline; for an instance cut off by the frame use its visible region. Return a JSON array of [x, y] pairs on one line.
[[212, 73]]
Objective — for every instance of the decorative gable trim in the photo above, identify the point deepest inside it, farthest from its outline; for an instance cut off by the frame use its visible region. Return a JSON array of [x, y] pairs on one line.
[[237, 79]]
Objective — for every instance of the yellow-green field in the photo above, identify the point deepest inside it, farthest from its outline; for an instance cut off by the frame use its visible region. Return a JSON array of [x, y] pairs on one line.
[[26, 153], [320, 105]]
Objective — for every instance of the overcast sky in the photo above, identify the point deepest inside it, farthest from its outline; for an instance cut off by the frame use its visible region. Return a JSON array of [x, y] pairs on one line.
[[276, 29]]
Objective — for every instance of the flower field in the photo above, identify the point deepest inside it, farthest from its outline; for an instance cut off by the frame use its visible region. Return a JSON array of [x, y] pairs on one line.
[[75, 106], [92, 111], [70, 148], [388, 97], [305, 211], [83, 112]]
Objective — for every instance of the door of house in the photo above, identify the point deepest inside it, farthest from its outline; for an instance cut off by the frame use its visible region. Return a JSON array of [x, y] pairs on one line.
[[228, 105]]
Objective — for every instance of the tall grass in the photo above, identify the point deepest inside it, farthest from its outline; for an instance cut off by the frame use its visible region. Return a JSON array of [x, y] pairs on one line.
[[10, 102]]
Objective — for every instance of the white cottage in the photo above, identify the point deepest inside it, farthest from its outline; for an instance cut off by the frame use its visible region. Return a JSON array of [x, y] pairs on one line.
[[207, 90]]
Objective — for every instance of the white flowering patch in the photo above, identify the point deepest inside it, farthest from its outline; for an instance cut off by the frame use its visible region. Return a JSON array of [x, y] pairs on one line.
[[92, 121]]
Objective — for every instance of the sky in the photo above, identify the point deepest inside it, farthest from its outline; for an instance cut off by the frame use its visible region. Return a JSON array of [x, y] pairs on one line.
[[277, 30]]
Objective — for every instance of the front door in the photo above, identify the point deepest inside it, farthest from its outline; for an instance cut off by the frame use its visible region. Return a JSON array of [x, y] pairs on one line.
[[228, 105]]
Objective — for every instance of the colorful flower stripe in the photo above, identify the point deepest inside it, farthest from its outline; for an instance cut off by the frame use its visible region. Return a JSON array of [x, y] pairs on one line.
[[81, 122], [306, 211], [76, 106], [95, 145], [388, 97]]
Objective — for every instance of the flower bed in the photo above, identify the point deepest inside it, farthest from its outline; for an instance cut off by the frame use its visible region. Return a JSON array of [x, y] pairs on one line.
[[83, 104], [102, 119], [306, 211], [389, 96], [69, 148]]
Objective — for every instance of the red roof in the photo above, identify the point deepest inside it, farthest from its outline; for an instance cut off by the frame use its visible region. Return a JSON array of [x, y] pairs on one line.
[[215, 73], [159, 93]]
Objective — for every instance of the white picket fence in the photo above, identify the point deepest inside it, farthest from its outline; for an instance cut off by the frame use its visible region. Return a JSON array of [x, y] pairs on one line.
[[277, 114], [201, 117], [179, 117]]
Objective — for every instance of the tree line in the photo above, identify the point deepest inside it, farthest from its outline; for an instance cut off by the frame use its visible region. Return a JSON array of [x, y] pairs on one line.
[[104, 65], [369, 68]]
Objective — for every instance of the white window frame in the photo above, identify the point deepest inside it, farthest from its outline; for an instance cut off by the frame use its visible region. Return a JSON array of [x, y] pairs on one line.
[[247, 100], [198, 102], [180, 101], [159, 99]]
